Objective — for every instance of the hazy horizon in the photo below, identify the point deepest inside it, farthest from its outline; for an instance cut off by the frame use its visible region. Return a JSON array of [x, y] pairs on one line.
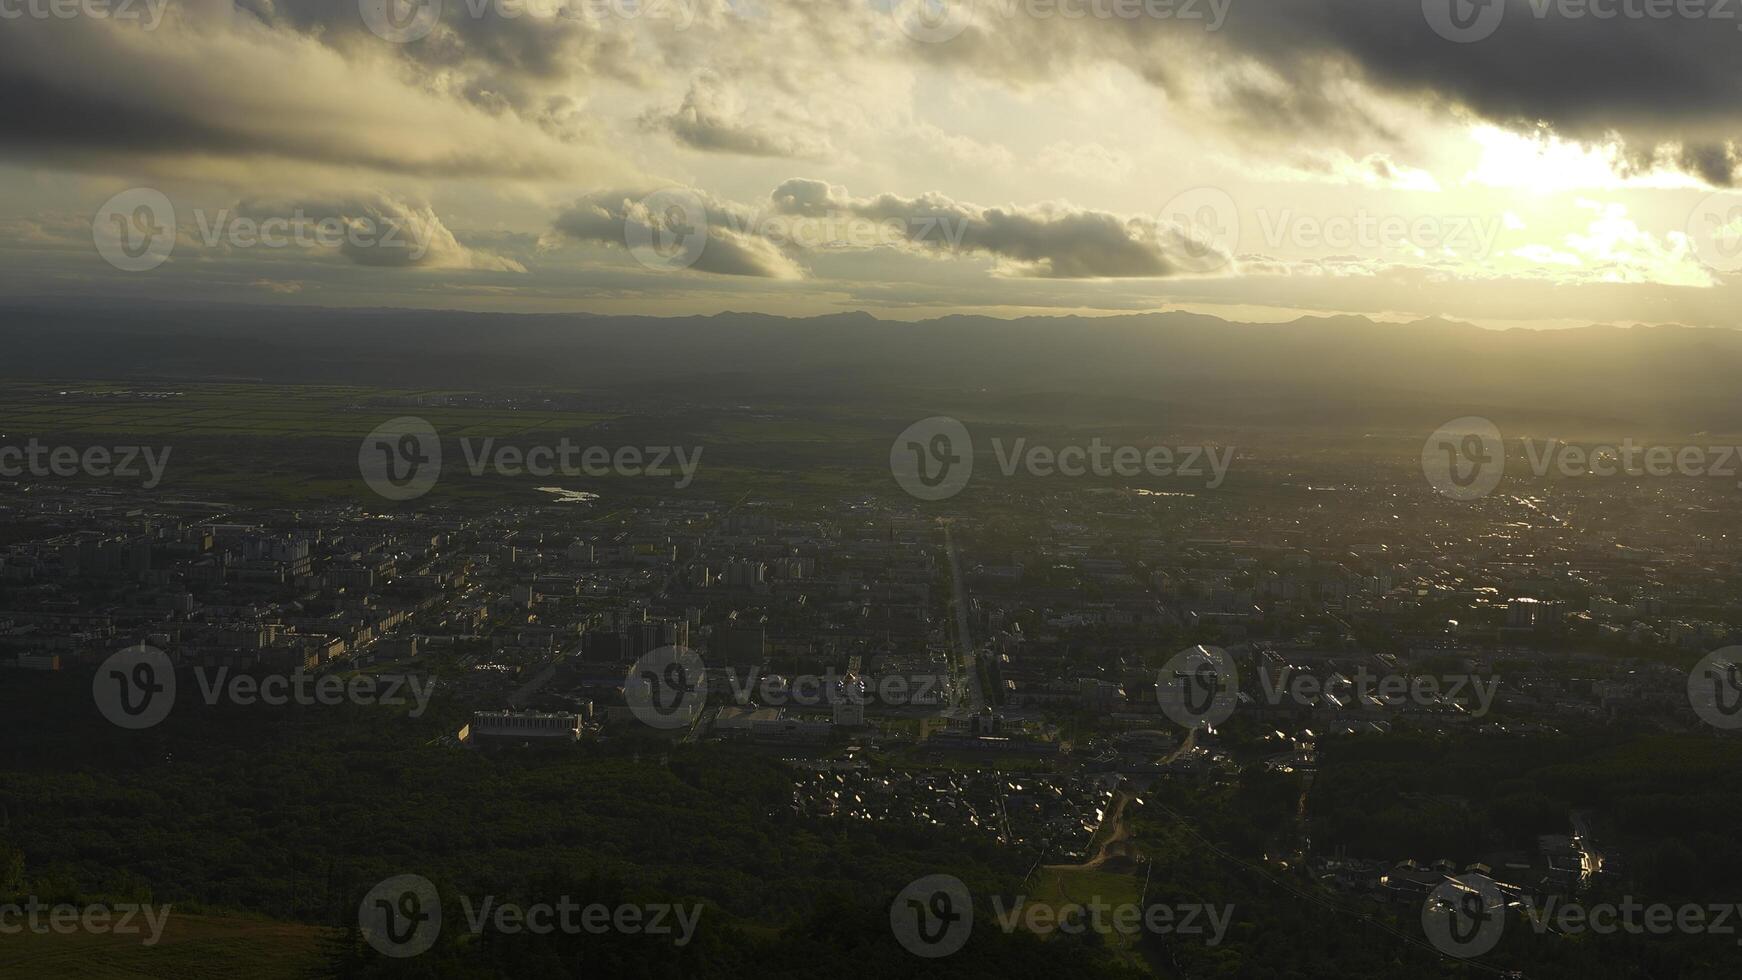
[[1508, 163]]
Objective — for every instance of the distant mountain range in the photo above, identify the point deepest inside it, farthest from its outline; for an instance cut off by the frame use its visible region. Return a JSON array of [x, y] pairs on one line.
[[1317, 371]]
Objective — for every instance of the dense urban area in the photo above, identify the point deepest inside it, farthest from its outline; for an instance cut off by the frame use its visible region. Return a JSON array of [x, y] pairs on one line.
[[1410, 690]]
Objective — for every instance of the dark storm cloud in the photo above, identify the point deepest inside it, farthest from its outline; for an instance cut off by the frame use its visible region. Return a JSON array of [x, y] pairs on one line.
[[1583, 74], [1670, 86], [93, 94], [1652, 80]]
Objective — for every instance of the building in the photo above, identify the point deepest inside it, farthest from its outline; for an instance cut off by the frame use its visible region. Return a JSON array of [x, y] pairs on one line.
[[521, 728]]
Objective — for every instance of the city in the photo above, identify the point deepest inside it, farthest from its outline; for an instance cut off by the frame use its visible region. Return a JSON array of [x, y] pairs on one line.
[[1009, 662], [878, 489]]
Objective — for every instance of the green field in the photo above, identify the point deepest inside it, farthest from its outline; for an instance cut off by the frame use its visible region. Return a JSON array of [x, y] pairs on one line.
[[295, 411], [193, 947], [296, 445]]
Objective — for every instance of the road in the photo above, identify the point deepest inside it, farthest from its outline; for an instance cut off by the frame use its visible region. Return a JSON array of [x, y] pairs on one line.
[[1585, 840], [965, 642], [531, 687]]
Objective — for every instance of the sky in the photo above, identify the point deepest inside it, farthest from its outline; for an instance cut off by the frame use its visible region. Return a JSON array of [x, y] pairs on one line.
[[1513, 163]]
